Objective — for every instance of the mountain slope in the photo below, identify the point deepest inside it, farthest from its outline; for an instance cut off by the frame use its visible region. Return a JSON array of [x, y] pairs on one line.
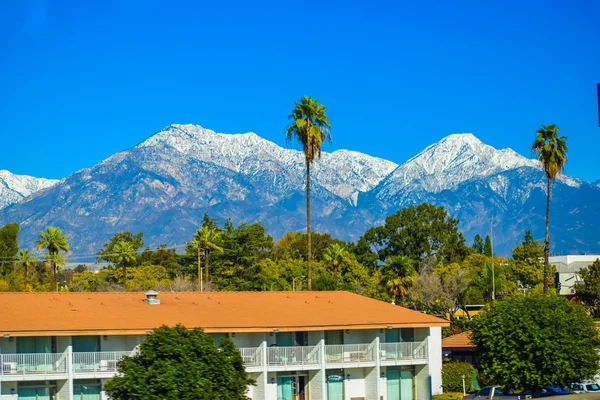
[[164, 185], [14, 188]]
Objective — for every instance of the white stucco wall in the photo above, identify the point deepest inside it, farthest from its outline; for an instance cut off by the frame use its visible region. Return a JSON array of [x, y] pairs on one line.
[[355, 386], [8, 347], [360, 336], [435, 359], [249, 339], [120, 343]]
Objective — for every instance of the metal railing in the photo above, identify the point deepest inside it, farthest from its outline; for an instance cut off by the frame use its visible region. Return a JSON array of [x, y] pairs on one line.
[[103, 361], [403, 351], [349, 353], [33, 364], [293, 355], [252, 356]]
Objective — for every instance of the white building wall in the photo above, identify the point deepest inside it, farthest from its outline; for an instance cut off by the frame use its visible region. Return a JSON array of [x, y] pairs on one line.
[[248, 339], [6, 388], [118, 343], [314, 337], [271, 388], [421, 382], [360, 336], [355, 386], [434, 347], [316, 379], [371, 383]]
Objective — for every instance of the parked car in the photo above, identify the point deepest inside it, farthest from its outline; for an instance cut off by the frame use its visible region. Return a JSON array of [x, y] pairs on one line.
[[495, 393], [585, 387], [549, 391]]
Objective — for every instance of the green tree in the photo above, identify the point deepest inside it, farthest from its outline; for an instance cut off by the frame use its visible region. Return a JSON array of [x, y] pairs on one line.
[[124, 254], [9, 246], [208, 239], [336, 256], [526, 267], [478, 244], [26, 260], [53, 241], [399, 275], [107, 254], [310, 125], [487, 247], [295, 245], [536, 340], [551, 150], [181, 364], [588, 291], [418, 232]]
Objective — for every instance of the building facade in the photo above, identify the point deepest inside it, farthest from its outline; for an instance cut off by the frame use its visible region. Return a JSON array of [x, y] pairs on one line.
[[567, 270], [295, 345]]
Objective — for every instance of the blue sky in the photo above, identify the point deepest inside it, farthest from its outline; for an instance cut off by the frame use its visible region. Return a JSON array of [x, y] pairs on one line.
[[81, 80]]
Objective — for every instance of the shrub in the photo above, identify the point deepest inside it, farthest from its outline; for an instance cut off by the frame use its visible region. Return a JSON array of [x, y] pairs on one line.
[[448, 396], [452, 376]]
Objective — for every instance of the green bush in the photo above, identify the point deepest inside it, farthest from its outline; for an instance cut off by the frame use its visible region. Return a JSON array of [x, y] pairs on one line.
[[448, 396], [452, 376]]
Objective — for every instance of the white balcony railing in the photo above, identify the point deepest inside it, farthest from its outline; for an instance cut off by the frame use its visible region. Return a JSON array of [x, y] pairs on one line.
[[403, 351], [33, 364], [104, 361], [252, 356], [293, 355], [349, 353]]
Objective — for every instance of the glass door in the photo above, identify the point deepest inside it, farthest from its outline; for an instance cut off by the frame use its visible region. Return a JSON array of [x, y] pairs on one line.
[[84, 390], [393, 384], [335, 387], [284, 388], [406, 384]]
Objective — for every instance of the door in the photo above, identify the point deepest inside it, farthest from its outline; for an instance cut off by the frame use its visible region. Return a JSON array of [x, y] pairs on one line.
[[34, 393], [393, 384], [284, 388], [406, 384], [86, 391], [285, 339], [335, 387]]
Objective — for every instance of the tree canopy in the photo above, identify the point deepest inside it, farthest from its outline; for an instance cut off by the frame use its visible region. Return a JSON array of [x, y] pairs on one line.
[[536, 340], [174, 363]]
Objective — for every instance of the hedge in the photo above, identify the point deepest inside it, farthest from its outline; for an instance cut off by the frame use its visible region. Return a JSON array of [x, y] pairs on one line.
[[452, 376]]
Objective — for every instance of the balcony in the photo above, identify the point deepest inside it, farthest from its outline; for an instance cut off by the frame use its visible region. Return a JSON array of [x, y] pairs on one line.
[[97, 362], [294, 357], [402, 353], [37, 366], [342, 355]]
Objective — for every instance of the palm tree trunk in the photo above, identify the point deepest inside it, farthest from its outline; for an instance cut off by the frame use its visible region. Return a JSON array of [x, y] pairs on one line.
[[199, 271], [53, 275], [547, 244], [206, 266], [125, 276], [25, 274], [308, 225]]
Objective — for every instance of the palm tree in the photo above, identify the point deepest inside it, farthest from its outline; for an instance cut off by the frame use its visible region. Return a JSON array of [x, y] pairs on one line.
[[399, 274], [336, 255], [551, 150], [310, 126], [26, 259], [208, 239], [53, 241], [124, 253]]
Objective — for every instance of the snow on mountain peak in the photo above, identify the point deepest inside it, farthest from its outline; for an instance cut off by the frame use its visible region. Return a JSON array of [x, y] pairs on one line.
[[14, 187]]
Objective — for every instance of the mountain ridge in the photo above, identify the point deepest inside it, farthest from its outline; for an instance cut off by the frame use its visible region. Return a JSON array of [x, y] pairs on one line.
[[163, 185]]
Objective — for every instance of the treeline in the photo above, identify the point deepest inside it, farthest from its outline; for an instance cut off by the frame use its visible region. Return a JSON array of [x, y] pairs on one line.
[[417, 258]]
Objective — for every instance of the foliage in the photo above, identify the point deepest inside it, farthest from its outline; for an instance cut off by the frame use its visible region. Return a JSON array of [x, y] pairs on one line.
[[124, 254], [53, 241], [487, 247], [478, 244], [417, 232], [588, 291], [208, 239], [295, 245], [399, 275], [536, 340], [181, 364], [527, 269], [310, 125], [452, 376], [108, 254], [448, 396], [9, 246]]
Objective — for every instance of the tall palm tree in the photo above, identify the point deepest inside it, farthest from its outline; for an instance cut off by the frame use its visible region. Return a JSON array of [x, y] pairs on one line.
[[53, 241], [208, 239], [336, 255], [551, 150], [27, 260], [399, 275], [310, 125], [124, 254]]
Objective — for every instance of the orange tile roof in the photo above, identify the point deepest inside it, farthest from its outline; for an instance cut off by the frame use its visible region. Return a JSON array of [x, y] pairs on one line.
[[126, 313], [458, 340]]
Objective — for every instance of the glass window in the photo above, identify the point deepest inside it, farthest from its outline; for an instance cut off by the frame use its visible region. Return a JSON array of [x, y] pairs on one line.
[[484, 392], [85, 344], [40, 344], [334, 337], [592, 387]]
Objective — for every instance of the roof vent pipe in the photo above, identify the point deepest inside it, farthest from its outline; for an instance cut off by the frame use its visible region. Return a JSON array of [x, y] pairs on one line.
[[151, 297]]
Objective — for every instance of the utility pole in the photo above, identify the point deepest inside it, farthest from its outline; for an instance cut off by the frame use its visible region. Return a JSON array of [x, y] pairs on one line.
[[493, 274], [199, 269]]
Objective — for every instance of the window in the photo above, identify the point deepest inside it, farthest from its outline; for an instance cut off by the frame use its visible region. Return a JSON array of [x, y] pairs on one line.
[[85, 344], [484, 392]]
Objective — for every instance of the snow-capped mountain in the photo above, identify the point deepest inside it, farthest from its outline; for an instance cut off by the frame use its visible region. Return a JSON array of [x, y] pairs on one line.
[[165, 184], [14, 188]]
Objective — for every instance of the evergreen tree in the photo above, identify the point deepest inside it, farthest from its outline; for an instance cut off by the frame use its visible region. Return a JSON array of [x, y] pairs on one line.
[[478, 244], [487, 247]]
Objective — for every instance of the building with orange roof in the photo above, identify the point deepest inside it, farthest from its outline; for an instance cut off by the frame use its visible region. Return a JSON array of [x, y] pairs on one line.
[[459, 348], [296, 345]]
